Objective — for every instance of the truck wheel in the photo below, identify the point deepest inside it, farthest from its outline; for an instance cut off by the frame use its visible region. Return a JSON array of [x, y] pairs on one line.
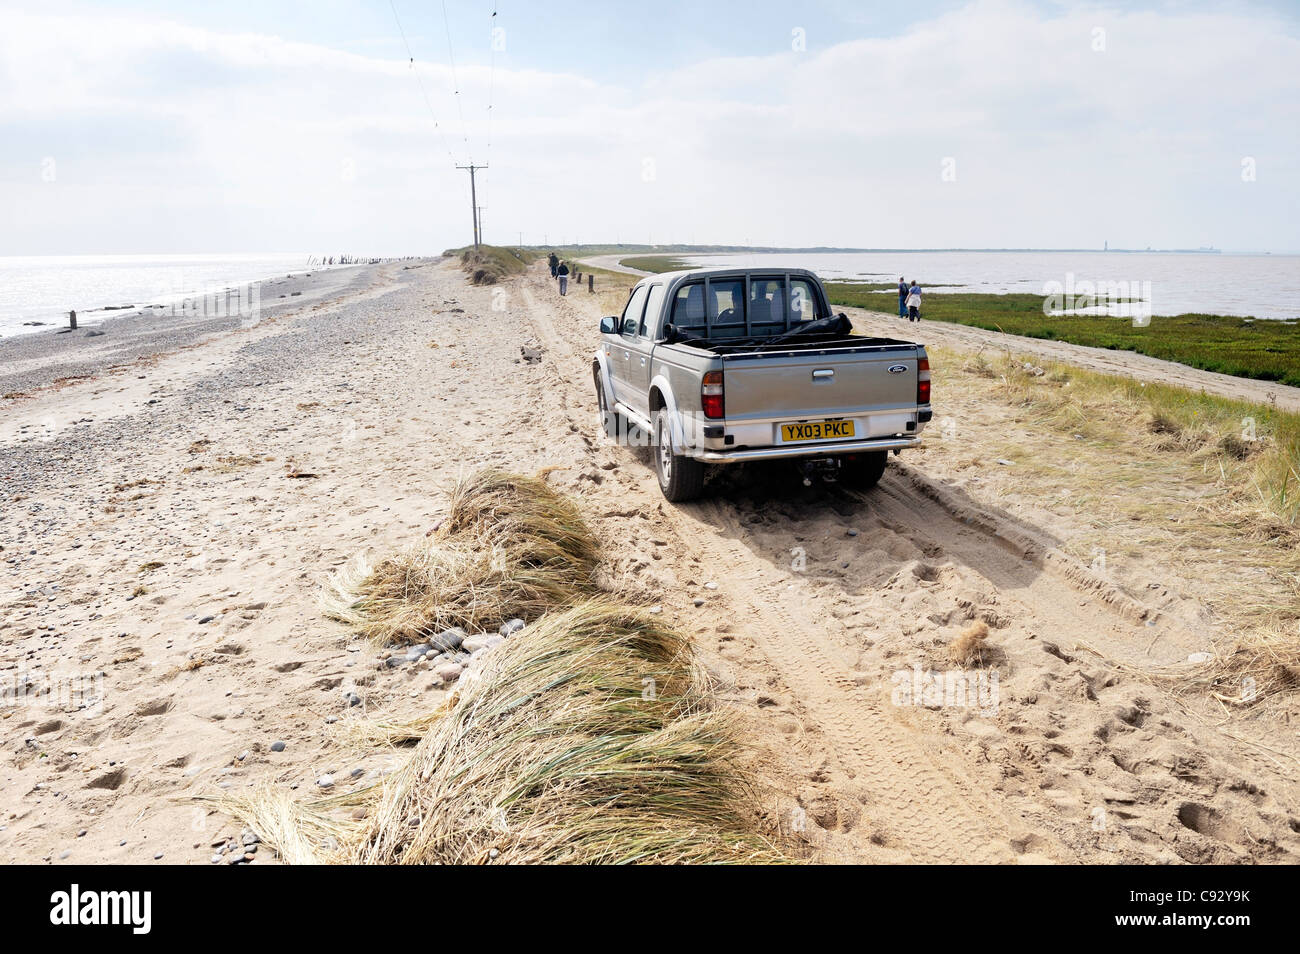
[[680, 478], [609, 420], [863, 471]]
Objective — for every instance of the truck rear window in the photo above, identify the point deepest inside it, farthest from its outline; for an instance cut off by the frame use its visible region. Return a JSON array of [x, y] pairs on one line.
[[770, 309]]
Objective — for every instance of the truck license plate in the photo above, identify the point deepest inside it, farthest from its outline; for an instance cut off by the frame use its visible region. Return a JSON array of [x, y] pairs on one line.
[[816, 431]]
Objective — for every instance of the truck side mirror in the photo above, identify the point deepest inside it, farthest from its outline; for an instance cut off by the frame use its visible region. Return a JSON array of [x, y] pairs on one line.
[[608, 326]]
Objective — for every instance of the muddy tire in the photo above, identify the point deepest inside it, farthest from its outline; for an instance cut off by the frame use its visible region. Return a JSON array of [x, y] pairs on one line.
[[680, 478], [863, 471]]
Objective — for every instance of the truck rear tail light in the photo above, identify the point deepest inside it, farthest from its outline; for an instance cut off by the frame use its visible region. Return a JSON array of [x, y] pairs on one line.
[[923, 381], [711, 395]]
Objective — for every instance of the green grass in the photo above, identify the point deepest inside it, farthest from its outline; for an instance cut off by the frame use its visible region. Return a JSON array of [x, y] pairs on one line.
[[1243, 347], [655, 263]]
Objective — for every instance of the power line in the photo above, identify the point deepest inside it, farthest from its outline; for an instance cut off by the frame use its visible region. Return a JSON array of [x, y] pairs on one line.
[[492, 73], [451, 58], [410, 59]]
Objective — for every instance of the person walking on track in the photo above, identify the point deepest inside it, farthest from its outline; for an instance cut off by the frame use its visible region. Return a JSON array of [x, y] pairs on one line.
[[914, 302]]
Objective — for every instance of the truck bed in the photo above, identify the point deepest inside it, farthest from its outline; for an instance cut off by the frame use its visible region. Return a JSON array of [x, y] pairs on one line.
[[731, 347]]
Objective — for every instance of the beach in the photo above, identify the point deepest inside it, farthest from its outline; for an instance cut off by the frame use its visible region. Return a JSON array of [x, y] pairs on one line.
[[175, 495]]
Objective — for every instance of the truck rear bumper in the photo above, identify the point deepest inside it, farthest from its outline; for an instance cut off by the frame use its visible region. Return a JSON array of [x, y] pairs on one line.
[[806, 450]]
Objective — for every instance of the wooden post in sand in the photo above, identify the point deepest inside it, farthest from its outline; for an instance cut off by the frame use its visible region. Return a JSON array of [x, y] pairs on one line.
[[72, 320], [591, 282]]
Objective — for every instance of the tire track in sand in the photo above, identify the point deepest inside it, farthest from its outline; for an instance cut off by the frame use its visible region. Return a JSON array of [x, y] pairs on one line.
[[929, 809]]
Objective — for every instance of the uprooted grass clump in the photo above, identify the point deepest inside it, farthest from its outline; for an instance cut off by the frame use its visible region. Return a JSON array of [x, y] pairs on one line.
[[587, 738], [1257, 666], [509, 546], [967, 647]]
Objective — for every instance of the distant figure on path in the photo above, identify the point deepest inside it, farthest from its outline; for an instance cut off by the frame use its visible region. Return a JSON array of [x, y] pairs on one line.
[[914, 302], [902, 297], [555, 262], [563, 273]]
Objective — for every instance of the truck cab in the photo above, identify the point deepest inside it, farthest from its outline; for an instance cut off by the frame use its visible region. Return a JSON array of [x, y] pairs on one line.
[[719, 366]]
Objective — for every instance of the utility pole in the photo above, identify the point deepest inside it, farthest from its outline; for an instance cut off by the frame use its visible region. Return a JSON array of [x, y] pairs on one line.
[[473, 197], [480, 221]]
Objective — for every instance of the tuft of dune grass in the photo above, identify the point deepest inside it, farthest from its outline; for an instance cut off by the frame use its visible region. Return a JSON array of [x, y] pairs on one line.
[[510, 546], [587, 738], [522, 515]]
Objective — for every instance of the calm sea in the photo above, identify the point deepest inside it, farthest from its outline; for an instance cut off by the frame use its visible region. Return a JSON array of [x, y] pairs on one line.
[[1265, 286], [46, 288]]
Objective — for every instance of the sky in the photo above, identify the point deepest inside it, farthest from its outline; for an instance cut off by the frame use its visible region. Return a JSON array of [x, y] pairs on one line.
[[336, 127]]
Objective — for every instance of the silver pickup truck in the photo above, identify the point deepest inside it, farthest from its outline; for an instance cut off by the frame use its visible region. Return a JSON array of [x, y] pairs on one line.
[[716, 366]]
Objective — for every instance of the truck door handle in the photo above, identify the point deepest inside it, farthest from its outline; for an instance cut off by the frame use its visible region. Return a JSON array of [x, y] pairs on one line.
[[627, 354], [823, 373], [643, 362]]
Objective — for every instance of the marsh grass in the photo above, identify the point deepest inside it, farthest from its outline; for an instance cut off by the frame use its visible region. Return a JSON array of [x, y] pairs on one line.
[[1244, 347], [1202, 485]]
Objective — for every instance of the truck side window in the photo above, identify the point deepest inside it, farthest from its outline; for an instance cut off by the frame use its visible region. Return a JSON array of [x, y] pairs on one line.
[[653, 305], [688, 306], [634, 310], [803, 301]]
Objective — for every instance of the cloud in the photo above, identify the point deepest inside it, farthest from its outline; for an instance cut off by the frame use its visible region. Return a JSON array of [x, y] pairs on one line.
[[168, 136]]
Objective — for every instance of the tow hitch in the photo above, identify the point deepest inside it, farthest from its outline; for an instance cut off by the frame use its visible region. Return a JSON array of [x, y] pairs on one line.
[[827, 468]]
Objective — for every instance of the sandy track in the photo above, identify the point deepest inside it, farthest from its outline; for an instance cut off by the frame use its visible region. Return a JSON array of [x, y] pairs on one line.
[[389, 396], [613, 263], [864, 745], [1044, 778]]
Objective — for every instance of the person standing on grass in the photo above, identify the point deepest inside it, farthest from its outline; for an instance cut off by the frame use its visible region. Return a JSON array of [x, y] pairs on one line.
[[555, 262], [902, 297], [563, 273], [914, 302]]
